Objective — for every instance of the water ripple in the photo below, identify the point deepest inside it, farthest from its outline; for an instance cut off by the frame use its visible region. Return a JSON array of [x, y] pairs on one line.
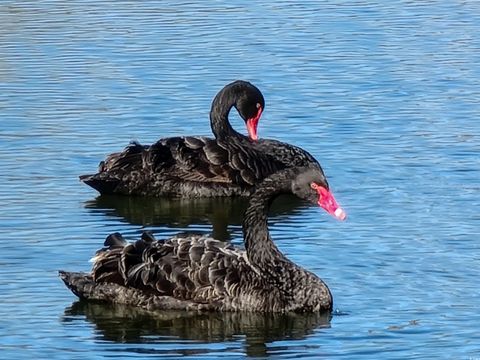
[[386, 95]]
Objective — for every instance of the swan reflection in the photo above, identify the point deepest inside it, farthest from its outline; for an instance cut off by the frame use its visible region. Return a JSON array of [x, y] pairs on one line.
[[180, 213], [123, 324]]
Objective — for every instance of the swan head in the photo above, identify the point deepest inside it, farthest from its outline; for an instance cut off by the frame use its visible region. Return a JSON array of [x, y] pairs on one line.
[[249, 104], [312, 186]]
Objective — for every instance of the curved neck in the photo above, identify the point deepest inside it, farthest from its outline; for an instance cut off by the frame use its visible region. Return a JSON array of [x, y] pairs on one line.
[[261, 251], [221, 106]]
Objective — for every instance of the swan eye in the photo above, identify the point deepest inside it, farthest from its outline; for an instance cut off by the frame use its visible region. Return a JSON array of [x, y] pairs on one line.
[[258, 105], [314, 186]]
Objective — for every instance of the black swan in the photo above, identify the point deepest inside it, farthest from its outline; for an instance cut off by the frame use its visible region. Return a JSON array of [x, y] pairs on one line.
[[194, 166], [194, 272]]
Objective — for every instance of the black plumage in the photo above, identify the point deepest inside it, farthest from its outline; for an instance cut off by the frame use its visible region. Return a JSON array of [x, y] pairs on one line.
[[194, 166], [194, 272]]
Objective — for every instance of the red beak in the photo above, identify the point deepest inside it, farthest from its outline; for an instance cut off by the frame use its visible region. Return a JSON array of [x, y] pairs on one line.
[[328, 202], [252, 125]]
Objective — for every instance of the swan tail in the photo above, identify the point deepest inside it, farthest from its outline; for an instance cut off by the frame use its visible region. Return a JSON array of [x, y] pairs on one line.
[[116, 169], [83, 286], [103, 184]]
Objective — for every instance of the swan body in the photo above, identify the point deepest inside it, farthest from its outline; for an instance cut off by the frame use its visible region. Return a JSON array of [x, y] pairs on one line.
[[194, 166], [194, 272], [231, 164]]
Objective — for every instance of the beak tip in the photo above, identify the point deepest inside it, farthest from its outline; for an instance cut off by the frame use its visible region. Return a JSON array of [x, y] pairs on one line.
[[340, 214]]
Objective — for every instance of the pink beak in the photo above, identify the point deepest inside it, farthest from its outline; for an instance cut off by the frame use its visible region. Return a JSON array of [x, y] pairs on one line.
[[252, 124], [328, 202]]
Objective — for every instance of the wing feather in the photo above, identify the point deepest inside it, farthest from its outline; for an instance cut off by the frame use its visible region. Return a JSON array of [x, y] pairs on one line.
[[185, 267]]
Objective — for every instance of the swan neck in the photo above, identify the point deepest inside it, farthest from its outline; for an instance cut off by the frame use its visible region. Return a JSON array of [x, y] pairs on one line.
[[261, 250], [219, 122]]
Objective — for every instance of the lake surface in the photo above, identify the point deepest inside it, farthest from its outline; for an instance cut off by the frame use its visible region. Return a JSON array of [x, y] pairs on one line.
[[385, 94]]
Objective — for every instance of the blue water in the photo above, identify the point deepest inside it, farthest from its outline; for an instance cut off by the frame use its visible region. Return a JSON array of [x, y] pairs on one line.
[[385, 94]]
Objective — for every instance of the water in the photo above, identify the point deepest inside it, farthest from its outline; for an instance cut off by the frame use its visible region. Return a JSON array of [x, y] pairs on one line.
[[384, 94]]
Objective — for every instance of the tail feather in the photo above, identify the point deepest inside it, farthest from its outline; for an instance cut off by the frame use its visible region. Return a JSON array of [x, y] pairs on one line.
[[81, 284], [114, 167], [103, 184]]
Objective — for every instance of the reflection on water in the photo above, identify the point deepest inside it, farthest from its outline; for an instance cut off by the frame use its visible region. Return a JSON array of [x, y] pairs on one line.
[[219, 212], [123, 324]]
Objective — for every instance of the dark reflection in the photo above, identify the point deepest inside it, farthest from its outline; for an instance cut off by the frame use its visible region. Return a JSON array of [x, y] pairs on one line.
[[122, 324], [219, 212]]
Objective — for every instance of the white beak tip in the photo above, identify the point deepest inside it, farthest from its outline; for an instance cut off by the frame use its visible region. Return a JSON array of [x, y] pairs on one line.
[[340, 214]]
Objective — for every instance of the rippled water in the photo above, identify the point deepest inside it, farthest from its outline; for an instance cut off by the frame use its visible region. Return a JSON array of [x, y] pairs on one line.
[[385, 94]]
